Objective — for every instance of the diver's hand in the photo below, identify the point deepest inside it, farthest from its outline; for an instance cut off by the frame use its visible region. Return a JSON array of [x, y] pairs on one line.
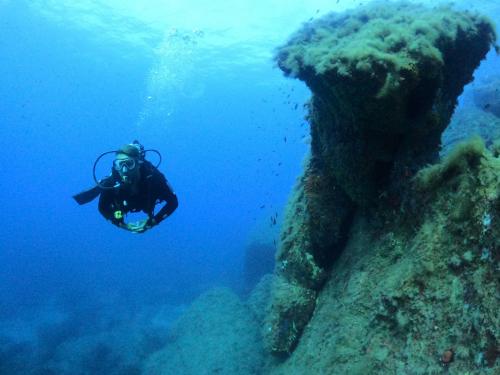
[[138, 227]]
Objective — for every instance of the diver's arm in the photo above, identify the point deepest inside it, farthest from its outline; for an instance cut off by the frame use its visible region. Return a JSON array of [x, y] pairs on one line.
[[167, 209], [168, 195]]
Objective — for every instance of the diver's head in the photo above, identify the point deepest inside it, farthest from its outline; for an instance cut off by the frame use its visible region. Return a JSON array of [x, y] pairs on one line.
[[127, 162]]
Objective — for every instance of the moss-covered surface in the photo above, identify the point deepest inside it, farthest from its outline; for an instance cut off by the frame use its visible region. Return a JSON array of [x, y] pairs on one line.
[[292, 308], [311, 232], [395, 37], [385, 80], [413, 283], [311, 240]]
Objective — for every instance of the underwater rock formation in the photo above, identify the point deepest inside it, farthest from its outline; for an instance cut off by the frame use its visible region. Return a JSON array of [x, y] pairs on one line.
[[385, 80], [218, 334], [416, 292]]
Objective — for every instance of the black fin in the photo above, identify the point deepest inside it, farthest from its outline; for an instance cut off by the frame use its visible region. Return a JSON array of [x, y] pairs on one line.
[[87, 195]]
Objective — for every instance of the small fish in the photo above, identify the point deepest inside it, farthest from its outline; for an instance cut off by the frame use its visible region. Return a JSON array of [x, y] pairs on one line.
[[284, 138], [261, 207], [295, 106], [279, 163], [486, 106]]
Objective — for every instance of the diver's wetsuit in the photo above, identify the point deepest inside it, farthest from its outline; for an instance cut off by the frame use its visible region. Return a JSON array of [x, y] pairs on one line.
[[152, 188]]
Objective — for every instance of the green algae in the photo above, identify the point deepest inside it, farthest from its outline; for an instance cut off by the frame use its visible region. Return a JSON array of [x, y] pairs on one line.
[[385, 79], [396, 40]]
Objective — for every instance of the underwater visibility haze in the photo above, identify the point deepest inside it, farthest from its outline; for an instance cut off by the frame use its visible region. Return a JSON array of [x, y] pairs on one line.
[[312, 234]]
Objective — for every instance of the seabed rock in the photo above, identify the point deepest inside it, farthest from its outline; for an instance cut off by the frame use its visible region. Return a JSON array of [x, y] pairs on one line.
[[218, 334]]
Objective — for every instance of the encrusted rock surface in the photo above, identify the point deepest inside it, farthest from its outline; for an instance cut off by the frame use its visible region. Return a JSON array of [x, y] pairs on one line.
[[414, 282], [385, 80]]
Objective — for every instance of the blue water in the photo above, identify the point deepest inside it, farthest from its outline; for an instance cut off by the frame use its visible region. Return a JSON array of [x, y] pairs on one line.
[[80, 78], [69, 95], [73, 88]]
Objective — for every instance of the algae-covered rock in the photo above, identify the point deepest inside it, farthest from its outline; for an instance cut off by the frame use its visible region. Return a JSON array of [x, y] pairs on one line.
[[216, 335], [415, 285], [312, 237], [311, 232], [385, 80], [292, 307], [259, 300]]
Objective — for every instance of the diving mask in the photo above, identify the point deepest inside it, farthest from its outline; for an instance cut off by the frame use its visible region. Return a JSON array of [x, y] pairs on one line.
[[124, 165]]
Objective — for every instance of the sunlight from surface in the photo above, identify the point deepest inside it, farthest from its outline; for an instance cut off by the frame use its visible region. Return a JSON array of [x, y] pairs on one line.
[[184, 38], [256, 24], [224, 23]]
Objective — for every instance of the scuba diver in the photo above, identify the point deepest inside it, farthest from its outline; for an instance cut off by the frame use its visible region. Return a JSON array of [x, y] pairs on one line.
[[134, 185]]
